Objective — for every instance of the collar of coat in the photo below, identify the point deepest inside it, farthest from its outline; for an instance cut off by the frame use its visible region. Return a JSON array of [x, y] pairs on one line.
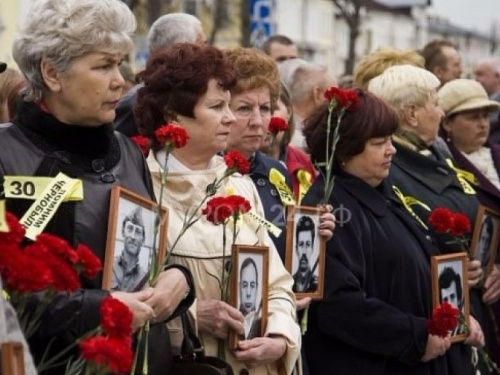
[[431, 171]]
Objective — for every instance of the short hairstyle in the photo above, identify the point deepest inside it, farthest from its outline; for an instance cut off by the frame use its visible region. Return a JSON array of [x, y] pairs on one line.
[[492, 62], [11, 85], [60, 31], [249, 262], [433, 53], [373, 118], [404, 85], [446, 278], [173, 28], [254, 69], [135, 217], [174, 80], [280, 39], [301, 76], [378, 61], [305, 224]]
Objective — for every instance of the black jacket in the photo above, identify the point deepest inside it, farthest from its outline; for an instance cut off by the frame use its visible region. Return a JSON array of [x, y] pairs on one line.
[[373, 318], [39, 145]]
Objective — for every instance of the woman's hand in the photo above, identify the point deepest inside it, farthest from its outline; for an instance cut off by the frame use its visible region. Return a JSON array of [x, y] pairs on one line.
[[168, 293], [327, 223], [216, 318], [141, 311], [303, 303], [491, 292], [436, 346], [260, 351], [475, 272], [476, 336]]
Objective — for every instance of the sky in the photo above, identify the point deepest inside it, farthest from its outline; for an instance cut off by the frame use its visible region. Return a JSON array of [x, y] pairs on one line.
[[473, 14]]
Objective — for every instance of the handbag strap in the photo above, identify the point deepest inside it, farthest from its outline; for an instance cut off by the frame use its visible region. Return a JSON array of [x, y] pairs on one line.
[[191, 348]]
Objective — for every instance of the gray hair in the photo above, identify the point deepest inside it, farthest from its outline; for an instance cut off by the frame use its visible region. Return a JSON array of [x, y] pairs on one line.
[[301, 77], [492, 62], [61, 31], [404, 85], [173, 28]]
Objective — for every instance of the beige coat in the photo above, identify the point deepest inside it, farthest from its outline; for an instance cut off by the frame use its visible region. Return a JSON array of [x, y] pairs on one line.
[[201, 250]]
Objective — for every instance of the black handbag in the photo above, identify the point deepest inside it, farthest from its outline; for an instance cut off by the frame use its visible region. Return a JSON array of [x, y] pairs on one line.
[[192, 360]]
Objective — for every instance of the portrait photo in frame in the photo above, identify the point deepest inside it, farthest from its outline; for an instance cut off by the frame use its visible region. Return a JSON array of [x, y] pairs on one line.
[[305, 251], [486, 237], [450, 284], [249, 289], [12, 358], [129, 246]]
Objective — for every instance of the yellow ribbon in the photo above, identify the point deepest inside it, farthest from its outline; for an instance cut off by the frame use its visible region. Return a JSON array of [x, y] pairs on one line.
[[45, 206], [29, 187], [279, 182], [409, 201], [4, 227], [304, 178], [464, 177]]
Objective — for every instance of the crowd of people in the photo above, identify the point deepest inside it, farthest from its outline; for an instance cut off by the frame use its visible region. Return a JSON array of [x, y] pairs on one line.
[[420, 137]]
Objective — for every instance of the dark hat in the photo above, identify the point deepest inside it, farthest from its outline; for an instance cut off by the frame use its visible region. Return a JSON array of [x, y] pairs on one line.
[[3, 66]]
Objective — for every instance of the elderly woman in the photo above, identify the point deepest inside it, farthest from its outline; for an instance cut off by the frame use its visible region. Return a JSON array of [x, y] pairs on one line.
[[466, 127], [370, 321], [189, 85], [422, 172], [69, 52]]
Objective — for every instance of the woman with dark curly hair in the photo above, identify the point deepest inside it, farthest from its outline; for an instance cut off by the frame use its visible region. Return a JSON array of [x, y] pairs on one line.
[[188, 85]]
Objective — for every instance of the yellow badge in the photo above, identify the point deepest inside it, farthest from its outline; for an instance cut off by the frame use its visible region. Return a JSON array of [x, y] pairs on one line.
[[260, 221], [409, 201], [30, 187], [45, 206], [4, 227], [279, 182], [304, 178], [464, 177]]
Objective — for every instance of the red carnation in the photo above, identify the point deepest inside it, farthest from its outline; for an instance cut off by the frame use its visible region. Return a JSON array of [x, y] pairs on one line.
[[116, 318], [90, 263], [277, 124], [444, 319], [110, 352], [347, 99], [171, 136], [238, 204], [16, 231], [218, 210], [58, 247], [235, 161], [441, 219], [460, 225], [144, 143]]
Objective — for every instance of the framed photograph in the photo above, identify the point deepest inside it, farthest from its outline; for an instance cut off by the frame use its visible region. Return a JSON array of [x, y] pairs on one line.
[[450, 284], [12, 358], [305, 251], [130, 254], [249, 289], [486, 237]]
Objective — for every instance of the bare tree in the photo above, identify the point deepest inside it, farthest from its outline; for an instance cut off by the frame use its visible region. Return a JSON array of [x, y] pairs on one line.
[[351, 12], [245, 23], [221, 19]]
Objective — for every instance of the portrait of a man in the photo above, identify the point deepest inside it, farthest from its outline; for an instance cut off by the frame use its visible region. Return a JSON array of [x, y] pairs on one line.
[[485, 239], [305, 278], [451, 291], [127, 269], [250, 300]]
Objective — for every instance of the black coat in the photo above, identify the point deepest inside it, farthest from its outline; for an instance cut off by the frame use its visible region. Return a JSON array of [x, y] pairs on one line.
[[39, 145], [373, 318], [431, 181]]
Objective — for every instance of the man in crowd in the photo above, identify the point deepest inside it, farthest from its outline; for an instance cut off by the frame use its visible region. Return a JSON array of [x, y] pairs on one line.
[[249, 288], [442, 59], [166, 31], [280, 48], [487, 73], [127, 270], [450, 290], [304, 279]]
